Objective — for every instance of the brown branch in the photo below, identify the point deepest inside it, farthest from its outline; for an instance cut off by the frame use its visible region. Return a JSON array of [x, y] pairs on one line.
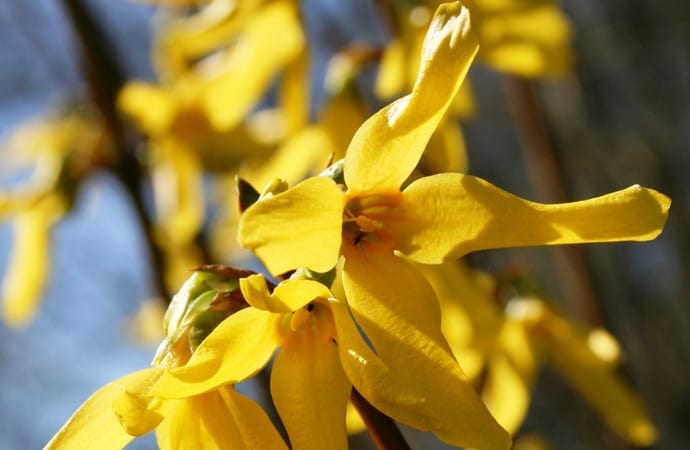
[[382, 428], [547, 183], [104, 79]]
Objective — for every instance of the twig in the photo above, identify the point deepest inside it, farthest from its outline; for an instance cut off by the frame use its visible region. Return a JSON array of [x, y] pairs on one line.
[[104, 79], [546, 181], [382, 428]]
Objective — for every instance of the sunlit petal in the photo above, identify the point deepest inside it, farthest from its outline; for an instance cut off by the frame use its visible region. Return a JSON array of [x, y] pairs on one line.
[[398, 311], [288, 296], [238, 348], [252, 63], [257, 431], [395, 137], [449, 215], [95, 421], [310, 391], [218, 420], [300, 227]]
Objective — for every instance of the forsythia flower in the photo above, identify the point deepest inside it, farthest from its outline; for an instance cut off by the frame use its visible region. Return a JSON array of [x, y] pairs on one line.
[[322, 356], [219, 419], [64, 150], [435, 218], [507, 350]]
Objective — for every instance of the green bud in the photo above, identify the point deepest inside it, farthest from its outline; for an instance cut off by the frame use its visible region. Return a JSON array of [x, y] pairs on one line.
[[210, 295], [335, 172]]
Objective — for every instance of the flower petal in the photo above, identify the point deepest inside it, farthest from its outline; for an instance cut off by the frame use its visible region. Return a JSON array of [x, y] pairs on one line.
[[151, 107], [449, 215], [288, 296], [238, 348], [258, 433], [525, 38], [568, 350], [398, 311], [471, 319], [395, 137], [310, 391], [29, 267], [218, 420], [94, 424], [252, 63], [510, 376], [300, 227]]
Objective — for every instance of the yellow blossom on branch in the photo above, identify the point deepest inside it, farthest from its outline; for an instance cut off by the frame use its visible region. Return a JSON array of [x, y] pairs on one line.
[[435, 218], [322, 355]]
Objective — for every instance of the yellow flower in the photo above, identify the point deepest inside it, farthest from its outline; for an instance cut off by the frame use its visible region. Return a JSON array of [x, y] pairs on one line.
[[525, 37], [435, 218], [63, 150], [218, 419], [533, 336], [432, 220], [123, 410], [508, 349], [322, 355]]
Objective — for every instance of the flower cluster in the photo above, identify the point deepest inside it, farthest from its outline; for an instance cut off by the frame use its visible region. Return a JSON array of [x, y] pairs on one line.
[[365, 299]]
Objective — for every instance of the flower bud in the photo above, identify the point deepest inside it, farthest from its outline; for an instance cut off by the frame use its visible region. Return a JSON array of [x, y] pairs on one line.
[[209, 296]]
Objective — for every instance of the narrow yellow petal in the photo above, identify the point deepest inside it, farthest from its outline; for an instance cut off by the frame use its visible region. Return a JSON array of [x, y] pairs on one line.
[[252, 63], [235, 350], [391, 80], [302, 154], [178, 189], [28, 269], [258, 433], [510, 373], [449, 215], [471, 319], [202, 422], [218, 420], [446, 150], [310, 391], [94, 424], [151, 107], [370, 375], [294, 93], [395, 137], [300, 227], [288, 296], [596, 380], [398, 311], [525, 38]]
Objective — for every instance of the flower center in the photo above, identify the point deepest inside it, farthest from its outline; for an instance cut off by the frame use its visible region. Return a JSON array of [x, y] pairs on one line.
[[366, 221]]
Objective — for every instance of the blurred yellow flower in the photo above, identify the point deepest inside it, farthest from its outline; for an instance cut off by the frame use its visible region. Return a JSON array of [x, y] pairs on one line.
[[127, 407], [62, 150], [506, 350]]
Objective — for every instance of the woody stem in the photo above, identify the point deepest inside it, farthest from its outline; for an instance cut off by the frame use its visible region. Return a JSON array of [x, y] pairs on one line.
[[546, 179], [104, 78], [382, 428]]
